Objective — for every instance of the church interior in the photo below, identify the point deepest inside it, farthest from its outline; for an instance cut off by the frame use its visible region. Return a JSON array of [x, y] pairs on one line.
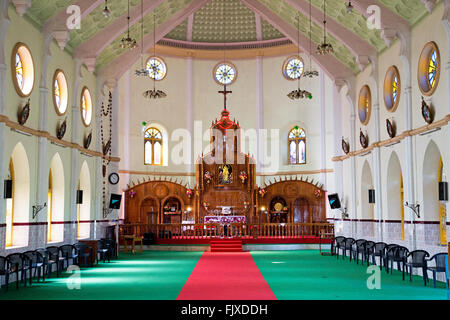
[[224, 149]]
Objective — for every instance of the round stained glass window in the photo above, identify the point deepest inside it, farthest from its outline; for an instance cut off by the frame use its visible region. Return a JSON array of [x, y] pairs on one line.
[[392, 89], [429, 69], [225, 73], [86, 107], [60, 92], [156, 68], [22, 69], [293, 68]]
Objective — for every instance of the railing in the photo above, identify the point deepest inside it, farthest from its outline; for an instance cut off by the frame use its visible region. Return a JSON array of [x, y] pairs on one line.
[[213, 230]]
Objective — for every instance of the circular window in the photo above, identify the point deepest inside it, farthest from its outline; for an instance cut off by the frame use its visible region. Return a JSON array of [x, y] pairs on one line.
[[293, 68], [225, 73], [156, 68], [60, 92], [86, 107], [22, 69], [429, 69], [392, 89], [364, 105]]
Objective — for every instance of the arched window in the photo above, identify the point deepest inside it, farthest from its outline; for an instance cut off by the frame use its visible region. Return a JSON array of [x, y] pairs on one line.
[[10, 208], [297, 146], [429, 69], [49, 207], [22, 69], [153, 151]]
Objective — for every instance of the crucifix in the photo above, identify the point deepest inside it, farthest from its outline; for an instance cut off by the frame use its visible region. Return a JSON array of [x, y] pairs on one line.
[[225, 92]]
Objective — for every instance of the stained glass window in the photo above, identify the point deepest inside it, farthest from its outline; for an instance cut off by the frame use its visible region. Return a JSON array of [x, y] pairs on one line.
[[60, 92], [297, 146], [225, 73], [364, 105], [293, 68], [153, 149], [86, 107], [429, 69], [432, 69], [392, 89], [23, 70], [157, 68]]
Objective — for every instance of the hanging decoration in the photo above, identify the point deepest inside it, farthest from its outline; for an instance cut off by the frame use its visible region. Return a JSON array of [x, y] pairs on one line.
[[154, 94], [61, 131], [106, 11], [143, 72], [363, 139], [345, 146], [426, 112], [128, 42], [299, 93], [87, 141], [106, 149], [24, 113], [390, 127], [349, 7], [325, 47], [311, 73]]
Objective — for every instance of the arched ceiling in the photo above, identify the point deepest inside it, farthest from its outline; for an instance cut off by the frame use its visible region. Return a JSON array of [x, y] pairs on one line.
[[247, 22]]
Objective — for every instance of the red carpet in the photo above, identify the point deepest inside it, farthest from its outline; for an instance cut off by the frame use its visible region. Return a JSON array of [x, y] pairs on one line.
[[226, 276], [226, 245]]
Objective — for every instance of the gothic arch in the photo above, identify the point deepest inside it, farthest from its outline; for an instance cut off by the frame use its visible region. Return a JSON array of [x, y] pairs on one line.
[[394, 183], [84, 209], [55, 204], [366, 184]]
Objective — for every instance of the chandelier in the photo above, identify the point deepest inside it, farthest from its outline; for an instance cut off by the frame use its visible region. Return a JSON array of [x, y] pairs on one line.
[[325, 47], [143, 71], [106, 11], [128, 42], [311, 73], [299, 93], [153, 93], [349, 7]]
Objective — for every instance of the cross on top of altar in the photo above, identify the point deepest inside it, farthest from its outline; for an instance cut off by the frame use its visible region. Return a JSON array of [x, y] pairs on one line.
[[225, 92]]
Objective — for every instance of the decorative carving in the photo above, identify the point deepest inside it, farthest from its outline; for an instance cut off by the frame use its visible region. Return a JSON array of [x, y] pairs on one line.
[[363, 139], [61, 131], [427, 113], [290, 189], [391, 128], [161, 190], [345, 146], [24, 113], [88, 140]]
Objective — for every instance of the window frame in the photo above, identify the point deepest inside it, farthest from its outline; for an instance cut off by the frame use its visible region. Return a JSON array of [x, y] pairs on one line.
[[362, 99], [389, 102], [25, 67], [285, 64], [423, 68], [163, 62], [152, 142], [83, 91], [297, 143], [55, 78], [216, 67]]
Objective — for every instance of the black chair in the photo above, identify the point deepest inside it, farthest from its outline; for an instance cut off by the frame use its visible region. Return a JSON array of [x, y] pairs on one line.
[[37, 263], [440, 259], [397, 254], [348, 245], [112, 246], [2, 269], [68, 252], [389, 255], [379, 251], [48, 262], [55, 257], [104, 250], [417, 259], [338, 243], [17, 263], [84, 252], [359, 248], [368, 251]]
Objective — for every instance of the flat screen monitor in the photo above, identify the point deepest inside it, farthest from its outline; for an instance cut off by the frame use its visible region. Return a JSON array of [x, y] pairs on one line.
[[335, 203], [116, 199]]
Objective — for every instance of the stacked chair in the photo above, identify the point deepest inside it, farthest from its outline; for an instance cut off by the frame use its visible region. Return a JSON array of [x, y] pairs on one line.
[[41, 262], [388, 255]]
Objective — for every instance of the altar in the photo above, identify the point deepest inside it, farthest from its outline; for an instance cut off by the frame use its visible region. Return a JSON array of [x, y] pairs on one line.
[[225, 219]]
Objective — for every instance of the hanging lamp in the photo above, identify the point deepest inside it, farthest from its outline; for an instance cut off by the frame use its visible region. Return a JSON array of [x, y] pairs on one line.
[[325, 47], [106, 11], [154, 94], [143, 71], [311, 73], [128, 42], [299, 93]]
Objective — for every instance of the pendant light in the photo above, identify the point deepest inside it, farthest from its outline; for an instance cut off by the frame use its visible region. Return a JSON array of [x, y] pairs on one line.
[[325, 47], [143, 71], [154, 94], [311, 73], [106, 11], [128, 43], [349, 7], [299, 94]]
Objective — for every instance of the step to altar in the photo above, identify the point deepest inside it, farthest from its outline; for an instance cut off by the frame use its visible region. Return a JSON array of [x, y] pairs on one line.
[[226, 246]]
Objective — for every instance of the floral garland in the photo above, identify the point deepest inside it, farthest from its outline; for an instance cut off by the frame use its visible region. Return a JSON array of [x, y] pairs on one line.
[[208, 176], [189, 192], [262, 192], [317, 193], [243, 176]]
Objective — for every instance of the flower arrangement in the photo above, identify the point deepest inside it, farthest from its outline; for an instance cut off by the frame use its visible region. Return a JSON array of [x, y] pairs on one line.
[[189, 192], [285, 209], [246, 204], [243, 176], [262, 192], [132, 193], [206, 204], [317, 193], [208, 177]]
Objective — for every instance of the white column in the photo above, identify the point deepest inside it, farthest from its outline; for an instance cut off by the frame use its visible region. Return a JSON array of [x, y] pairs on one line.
[[323, 131], [337, 129], [377, 173], [190, 113], [353, 173], [260, 113]]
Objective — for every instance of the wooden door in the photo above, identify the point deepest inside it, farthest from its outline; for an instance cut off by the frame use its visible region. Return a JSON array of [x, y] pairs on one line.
[[302, 214]]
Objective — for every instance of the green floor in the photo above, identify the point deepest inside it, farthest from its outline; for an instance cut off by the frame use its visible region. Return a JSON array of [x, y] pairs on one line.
[[306, 275], [160, 275]]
